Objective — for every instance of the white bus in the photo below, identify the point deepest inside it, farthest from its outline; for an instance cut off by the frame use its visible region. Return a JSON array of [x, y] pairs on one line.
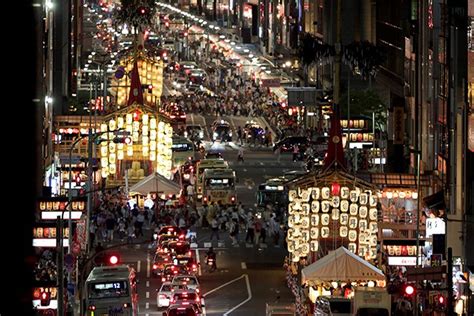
[[219, 186], [207, 164], [111, 291]]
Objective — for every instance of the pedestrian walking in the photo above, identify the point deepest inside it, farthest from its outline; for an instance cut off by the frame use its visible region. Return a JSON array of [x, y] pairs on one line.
[[214, 229], [240, 154]]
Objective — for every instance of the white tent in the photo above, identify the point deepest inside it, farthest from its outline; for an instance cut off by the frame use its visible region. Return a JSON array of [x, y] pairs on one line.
[[340, 264], [155, 182]]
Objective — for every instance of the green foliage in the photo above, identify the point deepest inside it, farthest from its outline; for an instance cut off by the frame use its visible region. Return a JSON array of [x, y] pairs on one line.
[[136, 13], [366, 102]]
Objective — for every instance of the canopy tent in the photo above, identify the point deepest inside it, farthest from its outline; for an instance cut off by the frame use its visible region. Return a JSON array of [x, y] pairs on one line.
[[155, 182], [340, 264]]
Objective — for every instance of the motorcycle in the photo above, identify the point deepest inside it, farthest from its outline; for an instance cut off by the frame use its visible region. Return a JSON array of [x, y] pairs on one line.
[[211, 262]]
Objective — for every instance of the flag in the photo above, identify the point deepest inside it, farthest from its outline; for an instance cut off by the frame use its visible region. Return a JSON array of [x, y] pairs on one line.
[[136, 93], [335, 153]]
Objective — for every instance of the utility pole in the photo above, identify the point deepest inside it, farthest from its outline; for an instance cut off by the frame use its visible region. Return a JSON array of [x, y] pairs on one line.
[[60, 263]]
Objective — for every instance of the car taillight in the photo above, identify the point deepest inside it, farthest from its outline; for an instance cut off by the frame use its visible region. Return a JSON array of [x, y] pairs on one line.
[[91, 307], [125, 305], [198, 299], [232, 198], [163, 279], [185, 303], [183, 116], [155, 267], [205, 199], [194, 266], [172, 116], [175, 271]]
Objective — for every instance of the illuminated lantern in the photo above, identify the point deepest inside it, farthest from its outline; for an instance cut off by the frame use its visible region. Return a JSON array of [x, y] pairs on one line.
[[136, 115], [335, 189]]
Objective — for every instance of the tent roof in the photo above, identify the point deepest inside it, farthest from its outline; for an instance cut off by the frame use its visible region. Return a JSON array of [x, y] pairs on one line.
[[340, 264], [155, 182]]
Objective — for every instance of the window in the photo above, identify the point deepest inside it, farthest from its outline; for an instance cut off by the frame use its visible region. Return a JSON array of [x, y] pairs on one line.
[[108, 289]]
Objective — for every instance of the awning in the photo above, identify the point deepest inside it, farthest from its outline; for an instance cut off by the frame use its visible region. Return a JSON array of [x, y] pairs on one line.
[[155, 183], [342, 265]]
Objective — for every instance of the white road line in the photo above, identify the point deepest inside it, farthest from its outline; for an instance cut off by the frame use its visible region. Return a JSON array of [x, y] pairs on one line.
[[249, 291], [147, 283], [204, 313], [139, 265], [147, 294], [192, 119], [147, 305], [198, 262], [148, 267], [243, 265], [225, 284]]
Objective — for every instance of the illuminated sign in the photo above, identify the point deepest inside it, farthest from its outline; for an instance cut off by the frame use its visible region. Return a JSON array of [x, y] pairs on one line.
[[54, 215], [403, 261], [274, 187], [46, 237], [435, 226], [48, 242]]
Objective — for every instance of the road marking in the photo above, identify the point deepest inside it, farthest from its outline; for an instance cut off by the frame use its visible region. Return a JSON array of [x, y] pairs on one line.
[[147, 283], [139, 265], [198, 261], [147, 294], [147, 305], [148, 267], [223, 285], [249, 291], [243, 265]]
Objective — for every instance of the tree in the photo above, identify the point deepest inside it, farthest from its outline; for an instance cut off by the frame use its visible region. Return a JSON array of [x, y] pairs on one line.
[[366, 102], [136, 13]]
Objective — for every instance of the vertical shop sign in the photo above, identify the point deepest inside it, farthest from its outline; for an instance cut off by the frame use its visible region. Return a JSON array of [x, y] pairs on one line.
[[398, 125]]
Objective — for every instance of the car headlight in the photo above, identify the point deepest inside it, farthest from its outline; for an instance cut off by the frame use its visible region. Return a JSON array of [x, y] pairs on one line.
[[230, 134], [201, 134], [214, 134]]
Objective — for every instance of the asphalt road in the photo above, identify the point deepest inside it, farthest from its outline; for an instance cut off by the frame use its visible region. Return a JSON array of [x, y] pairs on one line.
[[248, 276]]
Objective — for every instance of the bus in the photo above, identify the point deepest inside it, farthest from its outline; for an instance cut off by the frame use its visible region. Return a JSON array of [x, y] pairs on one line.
[[219, 186], [273, 191], [182, 150], [203, 165], [111, 290]]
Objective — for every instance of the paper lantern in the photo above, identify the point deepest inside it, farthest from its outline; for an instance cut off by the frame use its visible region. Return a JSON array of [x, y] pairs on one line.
[[363, 212], [325, 219], [343, 231], [324, 232], [305, 207], [315, 193], [363, 225], [314, 233], [335, 214], [352, 235], [305, 222], [389, 195], [354, 196], [414, 195], [345, 192], [335, 201], [373, 200], [353, 222], [314, 220], [344, 206], [325, 206], [335, 189], [314, 245], [325, 193], [291, 195], [363, 199], [373, 214], [344, 219], [354, 209], [315, 206], [304, 195], [352, 247]]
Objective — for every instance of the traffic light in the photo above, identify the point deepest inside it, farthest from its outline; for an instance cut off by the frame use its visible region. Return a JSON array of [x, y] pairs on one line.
[[142, 10], [122, 140], [409, 290], [112, 259], [45, 298]]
